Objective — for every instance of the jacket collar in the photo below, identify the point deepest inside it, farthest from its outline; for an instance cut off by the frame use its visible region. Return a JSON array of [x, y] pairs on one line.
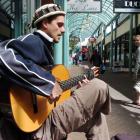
[[45, 35]]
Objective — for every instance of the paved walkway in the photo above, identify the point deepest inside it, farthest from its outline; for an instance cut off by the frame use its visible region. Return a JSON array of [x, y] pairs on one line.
[[125, 117]]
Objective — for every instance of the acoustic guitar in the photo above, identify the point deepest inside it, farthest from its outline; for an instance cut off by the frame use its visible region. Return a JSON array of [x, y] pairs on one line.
[[22, 101]]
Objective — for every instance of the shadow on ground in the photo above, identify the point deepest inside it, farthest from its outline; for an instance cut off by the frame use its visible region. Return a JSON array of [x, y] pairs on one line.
[[125, 117]]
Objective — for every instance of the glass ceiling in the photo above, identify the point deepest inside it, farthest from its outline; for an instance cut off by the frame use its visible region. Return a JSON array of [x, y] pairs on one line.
[[83, 25]]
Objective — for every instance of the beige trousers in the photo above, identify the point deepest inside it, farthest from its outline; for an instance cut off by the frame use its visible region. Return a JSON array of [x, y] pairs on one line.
[[83, 112]]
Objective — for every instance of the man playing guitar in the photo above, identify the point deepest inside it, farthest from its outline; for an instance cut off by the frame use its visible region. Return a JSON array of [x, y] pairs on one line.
[[22, 62]]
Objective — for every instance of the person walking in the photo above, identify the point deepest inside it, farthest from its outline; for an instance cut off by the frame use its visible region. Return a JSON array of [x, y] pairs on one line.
[[95, 59], [136, 101]]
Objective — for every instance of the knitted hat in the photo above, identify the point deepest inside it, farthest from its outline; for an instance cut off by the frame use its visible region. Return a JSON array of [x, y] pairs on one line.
[[45, 11]]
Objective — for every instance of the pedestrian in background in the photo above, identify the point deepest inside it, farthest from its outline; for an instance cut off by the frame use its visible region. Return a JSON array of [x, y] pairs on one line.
[[95, 59], [136, 101]]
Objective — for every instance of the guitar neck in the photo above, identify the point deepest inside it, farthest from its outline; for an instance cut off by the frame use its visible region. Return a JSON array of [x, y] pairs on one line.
[[67, 84]]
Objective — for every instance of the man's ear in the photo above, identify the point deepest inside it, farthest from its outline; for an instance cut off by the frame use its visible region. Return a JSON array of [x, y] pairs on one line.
[[45, 24]]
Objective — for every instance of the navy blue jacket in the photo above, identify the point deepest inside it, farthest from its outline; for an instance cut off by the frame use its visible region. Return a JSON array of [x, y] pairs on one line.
[[22, 62]]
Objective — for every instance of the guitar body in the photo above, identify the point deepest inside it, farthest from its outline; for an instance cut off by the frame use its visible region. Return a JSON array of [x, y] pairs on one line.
[[22, 103]]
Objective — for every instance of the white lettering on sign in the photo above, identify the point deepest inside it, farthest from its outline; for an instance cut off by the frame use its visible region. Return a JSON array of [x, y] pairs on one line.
[[84, 6], [132, 4]]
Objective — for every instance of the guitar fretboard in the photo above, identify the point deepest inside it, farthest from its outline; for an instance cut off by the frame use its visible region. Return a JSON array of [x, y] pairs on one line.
[[67, 84]]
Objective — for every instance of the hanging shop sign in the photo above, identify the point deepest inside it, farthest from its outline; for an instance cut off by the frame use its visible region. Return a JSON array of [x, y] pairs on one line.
[[126, 6], [92, 40], [74, 39], [84, 6]]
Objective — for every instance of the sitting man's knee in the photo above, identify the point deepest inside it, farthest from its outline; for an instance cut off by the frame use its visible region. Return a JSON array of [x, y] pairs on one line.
[[99, 84]]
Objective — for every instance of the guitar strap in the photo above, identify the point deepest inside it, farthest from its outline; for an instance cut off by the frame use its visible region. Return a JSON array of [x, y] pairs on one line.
[[35, 105], [4, 90], [5, 109]]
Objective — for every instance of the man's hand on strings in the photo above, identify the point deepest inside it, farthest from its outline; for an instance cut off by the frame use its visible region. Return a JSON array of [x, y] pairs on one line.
[[96, 71], [56, 92], [83, 82]]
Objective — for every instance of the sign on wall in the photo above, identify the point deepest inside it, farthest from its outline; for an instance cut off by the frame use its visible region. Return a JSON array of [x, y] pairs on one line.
[[84, 5], [125, 6]]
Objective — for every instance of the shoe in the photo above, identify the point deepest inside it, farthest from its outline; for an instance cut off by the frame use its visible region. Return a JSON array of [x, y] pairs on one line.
[[134, 103]]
